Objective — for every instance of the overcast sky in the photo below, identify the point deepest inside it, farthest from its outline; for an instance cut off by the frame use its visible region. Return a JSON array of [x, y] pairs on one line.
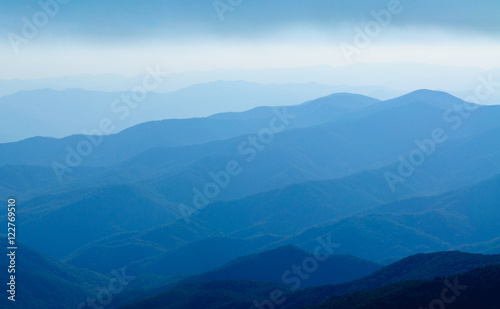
[[104, 36]]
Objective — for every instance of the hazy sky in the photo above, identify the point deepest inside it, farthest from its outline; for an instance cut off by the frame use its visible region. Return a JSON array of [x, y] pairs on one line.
[[104, 36]]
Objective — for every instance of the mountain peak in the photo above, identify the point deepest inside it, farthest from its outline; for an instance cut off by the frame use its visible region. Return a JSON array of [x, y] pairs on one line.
[[427, 93], [439, 99], [343, 100]]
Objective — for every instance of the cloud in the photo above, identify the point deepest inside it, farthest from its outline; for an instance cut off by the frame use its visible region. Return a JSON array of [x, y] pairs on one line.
[[106, 36], [97, 20]]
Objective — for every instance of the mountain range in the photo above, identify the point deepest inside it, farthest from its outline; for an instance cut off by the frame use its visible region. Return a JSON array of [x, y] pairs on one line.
[[218, 208]]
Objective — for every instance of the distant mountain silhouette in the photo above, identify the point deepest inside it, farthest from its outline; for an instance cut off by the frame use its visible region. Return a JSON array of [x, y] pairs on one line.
[[415, 225], [474, 289], [421, 271], [271, 265], [47, 283], [69, 111]]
